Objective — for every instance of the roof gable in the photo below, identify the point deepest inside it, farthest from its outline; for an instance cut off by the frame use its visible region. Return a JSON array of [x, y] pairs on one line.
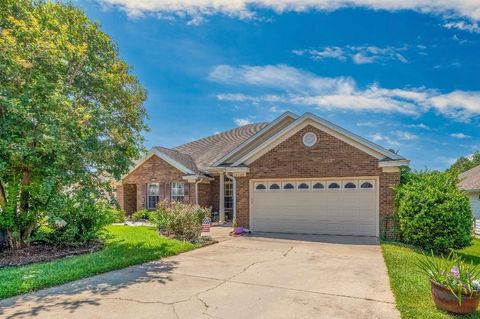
[[249, 144], [309, 119], [470, 180]]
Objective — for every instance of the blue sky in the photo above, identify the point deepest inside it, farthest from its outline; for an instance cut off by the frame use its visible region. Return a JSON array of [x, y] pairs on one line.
[[405, 74]]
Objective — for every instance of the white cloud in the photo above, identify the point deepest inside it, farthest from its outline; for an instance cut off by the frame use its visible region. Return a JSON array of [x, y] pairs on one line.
[[246, 9], [299, 87], [406, 136], [463, 26], [420, 125], [242, 122], [460, 135], [384, 139], [281, 77], [358, 54]]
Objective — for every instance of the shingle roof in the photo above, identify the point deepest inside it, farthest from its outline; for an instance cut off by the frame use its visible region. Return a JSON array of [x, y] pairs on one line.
[[184, 159], [470, 180], [208, 150]]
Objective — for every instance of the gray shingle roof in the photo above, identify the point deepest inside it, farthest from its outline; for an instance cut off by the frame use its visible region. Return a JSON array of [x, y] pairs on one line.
[[208, 150], [184, 159], [470, 180]]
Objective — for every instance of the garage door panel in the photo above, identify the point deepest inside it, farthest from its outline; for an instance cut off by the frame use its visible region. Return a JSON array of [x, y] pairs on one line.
[[340, 211]]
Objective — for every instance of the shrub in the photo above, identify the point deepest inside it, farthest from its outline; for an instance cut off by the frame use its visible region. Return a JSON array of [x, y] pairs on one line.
[[183, 221], [141, 214], [433, 213], [80, 219], [119, 215]]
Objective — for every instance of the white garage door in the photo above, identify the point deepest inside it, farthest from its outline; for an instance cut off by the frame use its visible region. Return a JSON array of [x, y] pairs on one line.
[[340, 207]]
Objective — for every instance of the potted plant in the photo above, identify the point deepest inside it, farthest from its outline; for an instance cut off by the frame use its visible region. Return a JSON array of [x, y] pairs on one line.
[[455, 284], [236, 229]]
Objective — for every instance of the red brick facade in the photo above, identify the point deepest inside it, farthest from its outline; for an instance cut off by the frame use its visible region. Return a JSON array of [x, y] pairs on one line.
[[156, 170], [329, 157]]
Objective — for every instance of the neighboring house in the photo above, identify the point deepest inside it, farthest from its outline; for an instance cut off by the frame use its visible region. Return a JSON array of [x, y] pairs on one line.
[[470, 182], [298, 174]]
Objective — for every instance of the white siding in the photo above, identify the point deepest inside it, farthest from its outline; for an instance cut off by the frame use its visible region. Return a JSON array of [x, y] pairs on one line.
[[475, 201]]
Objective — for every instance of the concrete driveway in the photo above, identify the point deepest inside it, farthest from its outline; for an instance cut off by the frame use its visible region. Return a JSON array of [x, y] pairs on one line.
[[266, 276]]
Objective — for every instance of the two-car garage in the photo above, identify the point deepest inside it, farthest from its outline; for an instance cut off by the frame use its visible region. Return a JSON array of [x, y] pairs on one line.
[[337, 206]]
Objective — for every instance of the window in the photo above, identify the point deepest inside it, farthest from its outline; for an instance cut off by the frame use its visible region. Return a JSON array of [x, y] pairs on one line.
[[260, 187], [366, 185], [334, 186], [309, 139], [318, 186], [153, 195], [178, 191], [228, 191], [303, 186], [274, 186], [288, 186], [350, 185]]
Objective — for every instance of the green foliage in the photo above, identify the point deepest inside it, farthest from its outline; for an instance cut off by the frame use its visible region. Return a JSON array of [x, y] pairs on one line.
[[183, 221], [452, 273], [71, 113], [141, 214], [465, 163], [80, 218], [433, 213], [119, 215]]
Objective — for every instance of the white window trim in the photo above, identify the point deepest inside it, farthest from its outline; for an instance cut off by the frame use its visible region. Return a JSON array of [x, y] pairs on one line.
[[304, 189], [287, 189], [175, 196], [148, 194], [334, 189], [319, 189], [371, 181]]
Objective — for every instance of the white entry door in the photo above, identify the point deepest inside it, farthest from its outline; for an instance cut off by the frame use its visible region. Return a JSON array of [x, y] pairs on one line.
[[334, 206]]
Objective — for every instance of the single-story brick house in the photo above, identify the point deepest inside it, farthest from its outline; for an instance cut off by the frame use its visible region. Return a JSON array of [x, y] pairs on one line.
[[470, 182], [298, 174]]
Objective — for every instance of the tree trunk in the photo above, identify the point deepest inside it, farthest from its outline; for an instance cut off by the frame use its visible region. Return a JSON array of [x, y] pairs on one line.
[[3, 196], [24, 195]]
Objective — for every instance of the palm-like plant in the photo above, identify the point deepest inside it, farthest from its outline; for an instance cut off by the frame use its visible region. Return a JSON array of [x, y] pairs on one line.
[[453, 273]]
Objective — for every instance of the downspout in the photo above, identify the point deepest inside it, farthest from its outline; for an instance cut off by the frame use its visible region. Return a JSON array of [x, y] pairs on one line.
[[234, 182]]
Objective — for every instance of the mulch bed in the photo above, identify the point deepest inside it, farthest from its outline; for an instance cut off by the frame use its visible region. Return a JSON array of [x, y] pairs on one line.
[[40, 252]]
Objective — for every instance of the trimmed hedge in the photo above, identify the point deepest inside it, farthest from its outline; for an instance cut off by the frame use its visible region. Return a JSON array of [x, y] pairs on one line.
[[433, 213]]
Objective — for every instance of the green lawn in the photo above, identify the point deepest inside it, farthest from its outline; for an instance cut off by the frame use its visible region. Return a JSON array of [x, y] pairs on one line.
[[411, 288], [125, 246]]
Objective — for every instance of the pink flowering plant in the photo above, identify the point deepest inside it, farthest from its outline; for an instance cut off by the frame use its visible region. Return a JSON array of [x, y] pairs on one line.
[[453, 273]]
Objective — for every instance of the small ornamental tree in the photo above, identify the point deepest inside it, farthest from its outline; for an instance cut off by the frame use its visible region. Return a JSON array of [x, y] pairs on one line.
[[433, 212], [71, 113]]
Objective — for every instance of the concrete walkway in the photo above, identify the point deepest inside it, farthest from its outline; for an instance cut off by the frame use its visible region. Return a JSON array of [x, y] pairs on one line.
[[261, 276]]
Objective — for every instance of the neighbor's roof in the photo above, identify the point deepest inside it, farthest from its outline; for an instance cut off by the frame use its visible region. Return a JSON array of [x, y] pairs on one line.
[[208, 150], [470, 180]]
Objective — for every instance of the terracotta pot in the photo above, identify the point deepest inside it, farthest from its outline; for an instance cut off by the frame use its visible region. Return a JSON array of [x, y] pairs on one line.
[[445, 300]]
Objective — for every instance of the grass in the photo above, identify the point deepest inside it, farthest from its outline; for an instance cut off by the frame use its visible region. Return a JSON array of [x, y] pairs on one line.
[[412, 288], [124, 246]]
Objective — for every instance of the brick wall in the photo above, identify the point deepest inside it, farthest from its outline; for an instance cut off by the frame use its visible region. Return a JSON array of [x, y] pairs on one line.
[[329, 157], [156, 170]]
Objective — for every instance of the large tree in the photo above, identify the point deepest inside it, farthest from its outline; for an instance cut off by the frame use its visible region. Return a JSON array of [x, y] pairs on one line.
[[71, 113], [465, 163]]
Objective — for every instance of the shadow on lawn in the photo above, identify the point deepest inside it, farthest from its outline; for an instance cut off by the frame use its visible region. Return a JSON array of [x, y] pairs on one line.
[[89, 291]]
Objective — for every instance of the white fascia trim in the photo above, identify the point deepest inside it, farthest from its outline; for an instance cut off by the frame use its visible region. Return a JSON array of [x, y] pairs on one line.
[[472, 190], [394, 163], [166, 158], [326, 126], [196, 178], [227, 169], [254, 137]]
